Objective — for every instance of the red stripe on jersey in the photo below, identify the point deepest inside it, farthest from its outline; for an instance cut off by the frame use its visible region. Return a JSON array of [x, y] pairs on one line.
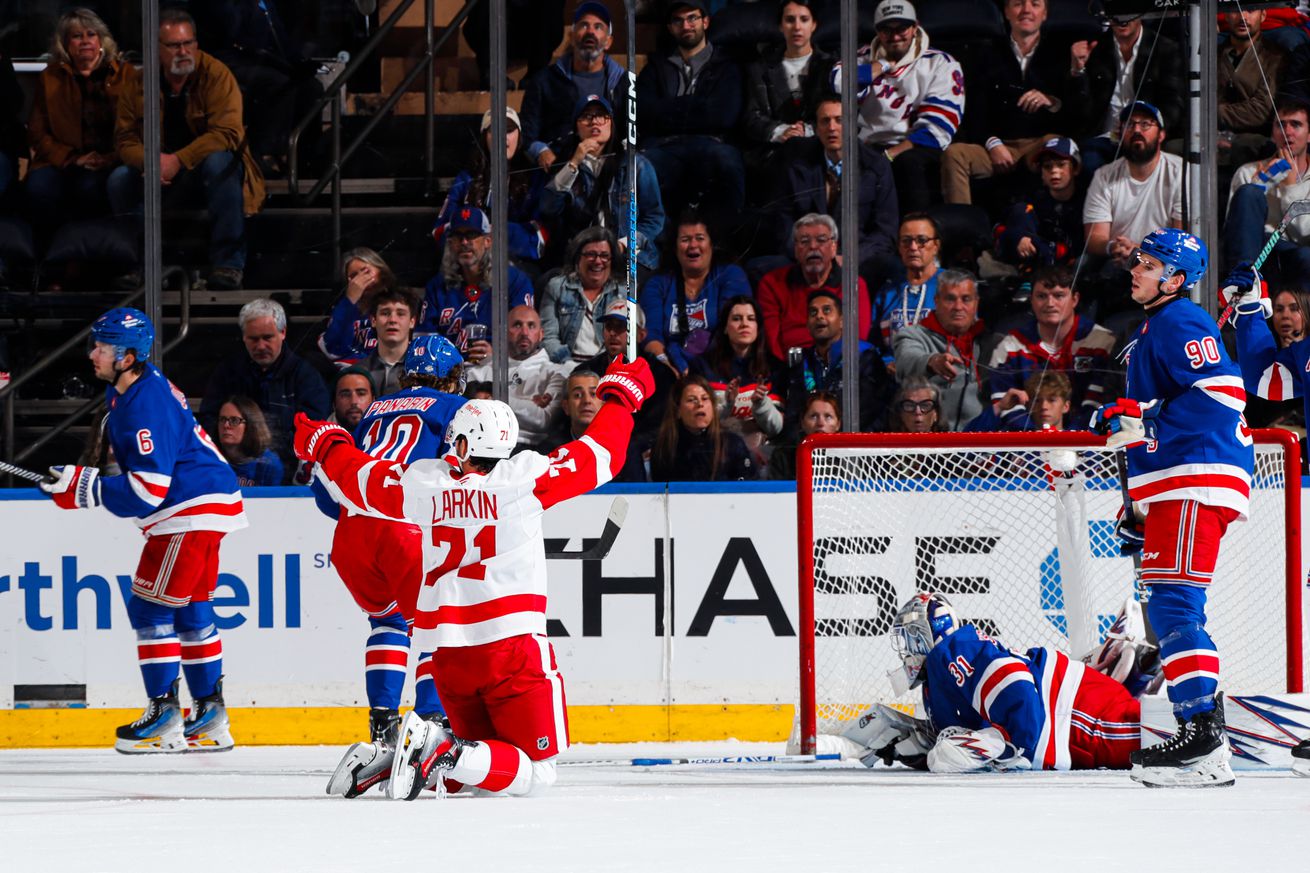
[[202, 509], [1058, 669], [995, 679], [160, 491], [477, 612], [504, 768], [1202, 480], [1234, 391], [1191, 664]]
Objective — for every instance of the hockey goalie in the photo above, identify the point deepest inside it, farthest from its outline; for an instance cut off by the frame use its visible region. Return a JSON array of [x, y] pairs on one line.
[[992, 709]]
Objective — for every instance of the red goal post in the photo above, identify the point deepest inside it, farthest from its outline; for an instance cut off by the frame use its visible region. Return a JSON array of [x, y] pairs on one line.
[[1018, 529]]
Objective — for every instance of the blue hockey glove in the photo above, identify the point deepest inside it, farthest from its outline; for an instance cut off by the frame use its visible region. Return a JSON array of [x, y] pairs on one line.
[[1246, 292]]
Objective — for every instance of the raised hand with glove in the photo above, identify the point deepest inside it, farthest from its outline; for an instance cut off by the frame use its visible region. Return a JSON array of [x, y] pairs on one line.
[[1125, 422], [1246, 292], [313, 439], [74, 487], [628, 384]]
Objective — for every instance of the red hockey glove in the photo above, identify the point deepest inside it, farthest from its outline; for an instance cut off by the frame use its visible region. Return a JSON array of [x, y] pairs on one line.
[[314, 438], [1125, 422], [628, 384], [74, 487]]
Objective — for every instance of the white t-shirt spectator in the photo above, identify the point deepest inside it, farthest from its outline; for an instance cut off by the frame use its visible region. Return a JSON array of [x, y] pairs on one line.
[[1134, 208]]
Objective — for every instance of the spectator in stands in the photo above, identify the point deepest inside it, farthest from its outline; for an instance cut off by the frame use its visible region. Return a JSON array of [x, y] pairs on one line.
[[1275, 403], [614, 333], [783, 89], [549, 96], [689, 103], [245, 442], [575, 301], [784, 293], [1134, 195], [904, 303], [71, 127], [738, 367], [822, 414], [204, 154], [1262, 191], [917, 406], [1041, 404], [1056, 339], [1047, 226], [1019, 102], [353, 391], [393, 313], [349, 335], [472, 187], [536, 385], [1250, 69], [1109, 74], [532, 33], [459, 296], [911, 101], [812, 184], [592, 188], [580, 407], [279, 82], [691, 445], [820, 367], [268, 372], [682, 306], [946, 348]]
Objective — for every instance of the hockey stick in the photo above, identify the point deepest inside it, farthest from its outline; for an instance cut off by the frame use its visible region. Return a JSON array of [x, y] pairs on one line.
[[1296, 210], [24, 473], [1121, 464], [726, 760], [613, 524], [629, 8]]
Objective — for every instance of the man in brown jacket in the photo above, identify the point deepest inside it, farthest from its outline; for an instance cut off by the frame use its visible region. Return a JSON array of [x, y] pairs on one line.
[[203, 146], [1247, 78]]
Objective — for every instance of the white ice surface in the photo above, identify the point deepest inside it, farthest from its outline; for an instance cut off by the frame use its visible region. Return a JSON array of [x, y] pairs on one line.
[[257, 809]]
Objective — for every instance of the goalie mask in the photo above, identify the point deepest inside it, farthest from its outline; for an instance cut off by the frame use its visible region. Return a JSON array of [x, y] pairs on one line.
[[920, 624]]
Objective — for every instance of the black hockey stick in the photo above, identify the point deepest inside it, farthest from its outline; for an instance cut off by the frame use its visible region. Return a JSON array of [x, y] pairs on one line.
[[630, 10], [613, 524], [1295, 210], [24, 473], [1121, 464]]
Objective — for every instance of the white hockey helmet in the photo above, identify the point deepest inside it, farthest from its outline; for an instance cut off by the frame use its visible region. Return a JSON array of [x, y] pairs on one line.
[[489, 426], [919, 626]]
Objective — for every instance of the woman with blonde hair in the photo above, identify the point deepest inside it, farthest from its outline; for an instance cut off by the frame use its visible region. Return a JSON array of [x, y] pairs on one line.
[[349, 334]]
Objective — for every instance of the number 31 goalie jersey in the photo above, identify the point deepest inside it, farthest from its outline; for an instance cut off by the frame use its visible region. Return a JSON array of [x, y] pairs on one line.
[[1202, 449], [483, 552]]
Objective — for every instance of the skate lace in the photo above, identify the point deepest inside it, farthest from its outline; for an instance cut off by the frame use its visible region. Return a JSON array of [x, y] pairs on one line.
[[1181, 738], [151, 711]]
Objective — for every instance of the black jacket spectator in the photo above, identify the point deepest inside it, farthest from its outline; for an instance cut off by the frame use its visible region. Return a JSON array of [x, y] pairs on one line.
[[813, 374], [997, 83], [769, 102], [693, 460], [1158, 74], [549, 100], [712, 109]]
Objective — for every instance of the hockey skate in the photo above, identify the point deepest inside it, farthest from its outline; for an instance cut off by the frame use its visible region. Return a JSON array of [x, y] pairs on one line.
[[158, 730], [1196, 756], [1301, 758], [367, 764], [207, 728], [425, 750]]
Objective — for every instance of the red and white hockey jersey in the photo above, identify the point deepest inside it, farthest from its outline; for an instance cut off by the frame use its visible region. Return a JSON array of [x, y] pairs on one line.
[[483, 552]]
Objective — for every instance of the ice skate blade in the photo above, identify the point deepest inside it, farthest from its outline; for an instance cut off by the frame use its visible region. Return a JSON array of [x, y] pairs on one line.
[[1301, 766], [210, 741], [346, 782], [1202, 774], [409, 755], [151, 746]]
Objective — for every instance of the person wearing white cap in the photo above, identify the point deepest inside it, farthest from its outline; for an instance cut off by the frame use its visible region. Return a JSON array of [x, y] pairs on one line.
[[911, 101], [472, 187]]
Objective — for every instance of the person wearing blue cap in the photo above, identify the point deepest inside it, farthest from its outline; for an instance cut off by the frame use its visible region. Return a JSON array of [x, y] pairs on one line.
[[551, 96]]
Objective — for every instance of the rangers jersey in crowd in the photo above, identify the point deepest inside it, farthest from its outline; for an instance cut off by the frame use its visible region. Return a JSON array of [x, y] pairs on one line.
[[1084, 357], [920, 99], [449, 308], [173, 476], [1201, 448], [974, 682], [1267, 370], [483, 548]]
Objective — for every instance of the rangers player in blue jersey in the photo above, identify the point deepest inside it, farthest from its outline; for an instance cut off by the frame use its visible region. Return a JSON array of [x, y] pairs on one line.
[[174, 484], [380, 560], [1190, 462]]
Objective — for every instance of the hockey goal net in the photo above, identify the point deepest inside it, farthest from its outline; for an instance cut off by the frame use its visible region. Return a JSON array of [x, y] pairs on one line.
[[1018, 530]]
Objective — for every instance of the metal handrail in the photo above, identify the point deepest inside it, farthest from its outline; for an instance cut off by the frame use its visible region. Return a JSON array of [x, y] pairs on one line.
[[331, 96], [10, 398]]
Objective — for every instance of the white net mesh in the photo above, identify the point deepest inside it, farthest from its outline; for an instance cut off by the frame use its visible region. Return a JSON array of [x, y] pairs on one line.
[[1022, 540]]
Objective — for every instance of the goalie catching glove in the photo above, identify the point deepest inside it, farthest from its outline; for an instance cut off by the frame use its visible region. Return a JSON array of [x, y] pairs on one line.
[[1125, 422], [890, 736], [313, 439], [627, 384], [960, 750], [1246, 292], [75, 487]]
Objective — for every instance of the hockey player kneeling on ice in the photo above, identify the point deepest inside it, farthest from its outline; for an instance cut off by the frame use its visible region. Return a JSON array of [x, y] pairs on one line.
[[992, 709], [482, 606]]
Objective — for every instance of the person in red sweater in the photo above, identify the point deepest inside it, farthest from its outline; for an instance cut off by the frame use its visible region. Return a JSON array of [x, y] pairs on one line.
[[783, 293]]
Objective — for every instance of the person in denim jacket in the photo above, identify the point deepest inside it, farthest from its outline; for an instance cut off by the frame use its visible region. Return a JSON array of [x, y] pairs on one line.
[[574, 303]]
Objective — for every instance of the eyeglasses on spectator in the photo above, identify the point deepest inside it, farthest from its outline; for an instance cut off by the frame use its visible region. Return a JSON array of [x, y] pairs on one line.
[[919, 241], [921, 406]]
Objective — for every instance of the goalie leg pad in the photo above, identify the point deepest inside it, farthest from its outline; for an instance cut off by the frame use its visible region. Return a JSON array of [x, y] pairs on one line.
[[960, 750]]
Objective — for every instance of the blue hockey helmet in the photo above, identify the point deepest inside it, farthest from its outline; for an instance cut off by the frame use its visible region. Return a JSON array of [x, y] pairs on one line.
[[431, 355], [125, 329], [1180, 252], [920, 625]]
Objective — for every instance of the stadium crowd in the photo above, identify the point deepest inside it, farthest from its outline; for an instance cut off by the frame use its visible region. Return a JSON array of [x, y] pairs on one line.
[[997, 213]]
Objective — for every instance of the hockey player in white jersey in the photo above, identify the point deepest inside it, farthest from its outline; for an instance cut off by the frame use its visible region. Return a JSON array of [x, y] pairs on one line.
[[482, 607]]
